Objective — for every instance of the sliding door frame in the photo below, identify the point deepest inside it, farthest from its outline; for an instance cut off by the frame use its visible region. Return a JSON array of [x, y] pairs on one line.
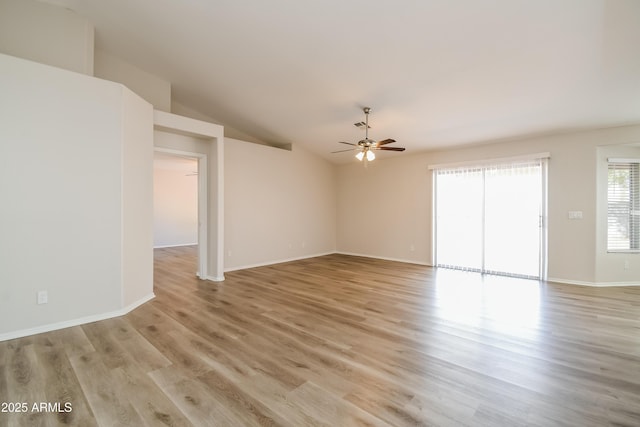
[[543, 158], [544, 170]]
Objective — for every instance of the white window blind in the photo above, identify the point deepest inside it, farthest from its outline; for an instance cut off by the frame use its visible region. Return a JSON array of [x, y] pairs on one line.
[[623, 205]]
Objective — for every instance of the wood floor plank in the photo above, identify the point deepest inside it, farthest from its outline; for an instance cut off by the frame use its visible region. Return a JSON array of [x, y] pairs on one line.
[[146, 356], [271, 393], [193, 398], [104, 395], [61, 384], [108, 348], [25, 384], [151, 404], [74, 340], [340, 340], [4, 370], [325, 406]]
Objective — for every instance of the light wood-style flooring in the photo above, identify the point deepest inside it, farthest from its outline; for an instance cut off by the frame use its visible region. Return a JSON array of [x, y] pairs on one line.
[[339, 341]]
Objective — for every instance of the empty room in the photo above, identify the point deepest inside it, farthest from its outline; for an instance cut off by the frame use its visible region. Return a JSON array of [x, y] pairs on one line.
[[336, 213]]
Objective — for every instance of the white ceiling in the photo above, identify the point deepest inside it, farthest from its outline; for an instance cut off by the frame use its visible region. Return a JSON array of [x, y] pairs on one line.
[[436, 73]]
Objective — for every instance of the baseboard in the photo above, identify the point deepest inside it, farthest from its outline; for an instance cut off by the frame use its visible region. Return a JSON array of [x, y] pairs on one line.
[[137, 303], [175, 246], [592, 284], [554, 280], [406, 261], [75, 322], [280, 261]]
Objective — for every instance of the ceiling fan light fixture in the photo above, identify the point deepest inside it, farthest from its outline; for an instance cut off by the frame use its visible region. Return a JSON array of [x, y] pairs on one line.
[[366, 146]]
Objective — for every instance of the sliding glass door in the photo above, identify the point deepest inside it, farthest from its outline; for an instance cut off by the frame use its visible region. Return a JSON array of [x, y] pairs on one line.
[[459, 223], [489, 219]]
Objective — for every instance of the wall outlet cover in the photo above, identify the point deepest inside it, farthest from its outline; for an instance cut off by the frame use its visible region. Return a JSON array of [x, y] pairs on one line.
[[43, 297]]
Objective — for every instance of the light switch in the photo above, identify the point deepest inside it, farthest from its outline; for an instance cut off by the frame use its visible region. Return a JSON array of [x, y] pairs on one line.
[[575, 214]]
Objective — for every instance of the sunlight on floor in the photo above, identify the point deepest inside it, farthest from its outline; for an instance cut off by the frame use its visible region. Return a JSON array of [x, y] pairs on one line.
[[503, 304]]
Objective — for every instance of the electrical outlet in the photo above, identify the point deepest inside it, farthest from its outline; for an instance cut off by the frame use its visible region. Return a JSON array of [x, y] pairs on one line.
[[626, 264], [43, 297]]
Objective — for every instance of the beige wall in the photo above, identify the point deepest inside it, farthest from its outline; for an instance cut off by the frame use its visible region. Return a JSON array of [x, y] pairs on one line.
[[385, 210], [152, 88], [56, 36], [75, 185], [229, 132], [279, 204], [175, 206], [47, 34], [137, 199]]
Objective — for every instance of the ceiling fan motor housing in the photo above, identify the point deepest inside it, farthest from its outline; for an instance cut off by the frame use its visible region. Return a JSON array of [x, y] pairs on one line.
[[366, 142]]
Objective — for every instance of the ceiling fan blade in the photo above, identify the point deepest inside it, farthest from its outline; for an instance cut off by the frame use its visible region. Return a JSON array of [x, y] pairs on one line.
[[390, 148], [342, 151], [348, 143], [385, 141]]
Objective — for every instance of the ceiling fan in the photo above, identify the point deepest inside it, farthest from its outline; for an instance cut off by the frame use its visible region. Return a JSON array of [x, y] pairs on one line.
[[366, 146]]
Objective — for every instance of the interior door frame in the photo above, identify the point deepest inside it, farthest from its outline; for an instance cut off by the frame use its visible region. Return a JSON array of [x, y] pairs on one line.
[[214, 135], [203, 202]]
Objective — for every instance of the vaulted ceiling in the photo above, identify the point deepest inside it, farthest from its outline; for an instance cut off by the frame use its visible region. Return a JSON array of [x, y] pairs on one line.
[[437, 73]]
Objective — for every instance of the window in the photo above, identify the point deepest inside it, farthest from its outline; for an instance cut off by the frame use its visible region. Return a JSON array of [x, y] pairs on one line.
[[623, 206]]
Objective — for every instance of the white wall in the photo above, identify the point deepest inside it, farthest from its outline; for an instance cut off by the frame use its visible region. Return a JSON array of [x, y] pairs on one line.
[[137, 199], [279, 204], [47, 34], [386, 208], [175, 205], [75, 219], [152, 88]]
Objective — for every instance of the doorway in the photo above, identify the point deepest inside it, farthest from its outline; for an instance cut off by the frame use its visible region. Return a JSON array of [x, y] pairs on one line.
[[180, 202], [175, 200], [490, 218]]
